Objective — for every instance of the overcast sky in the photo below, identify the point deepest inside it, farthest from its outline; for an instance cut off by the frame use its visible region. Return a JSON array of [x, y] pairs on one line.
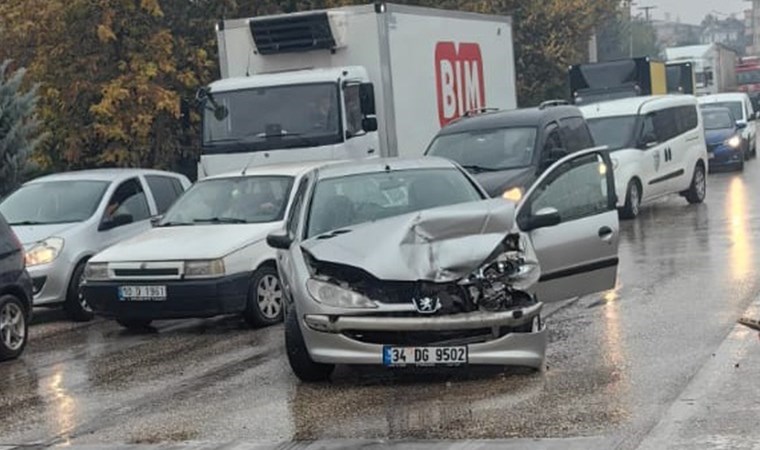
[[692, 11]]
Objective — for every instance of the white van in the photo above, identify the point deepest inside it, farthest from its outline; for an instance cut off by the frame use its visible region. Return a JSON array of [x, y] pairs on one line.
[[741, 107], [657, 147]]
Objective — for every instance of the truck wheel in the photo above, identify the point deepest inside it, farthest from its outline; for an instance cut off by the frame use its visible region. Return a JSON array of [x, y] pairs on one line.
[[632, 201], [698, 189], [265, 298], [298, 355], [135, 324], [14, 327], [76, 306]]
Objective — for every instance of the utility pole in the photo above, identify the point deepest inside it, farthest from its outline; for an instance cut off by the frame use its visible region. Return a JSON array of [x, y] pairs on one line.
[[630, 4], [646, 10]]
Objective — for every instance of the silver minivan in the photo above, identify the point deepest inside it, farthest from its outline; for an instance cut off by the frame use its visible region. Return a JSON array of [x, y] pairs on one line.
[[64, 219]]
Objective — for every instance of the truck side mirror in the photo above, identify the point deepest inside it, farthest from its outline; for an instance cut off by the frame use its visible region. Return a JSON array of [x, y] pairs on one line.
[[369, 124], [367, 99]]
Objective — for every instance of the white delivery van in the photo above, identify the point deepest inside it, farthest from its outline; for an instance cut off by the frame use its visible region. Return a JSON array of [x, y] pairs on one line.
[[352, 82]]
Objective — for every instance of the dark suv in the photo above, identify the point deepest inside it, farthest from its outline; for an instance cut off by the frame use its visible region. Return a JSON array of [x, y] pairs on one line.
[[507, 150], [15, 295]]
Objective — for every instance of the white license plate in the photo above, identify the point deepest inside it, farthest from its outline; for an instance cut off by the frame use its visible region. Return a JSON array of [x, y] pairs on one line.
[[142, 293], [424, 356]]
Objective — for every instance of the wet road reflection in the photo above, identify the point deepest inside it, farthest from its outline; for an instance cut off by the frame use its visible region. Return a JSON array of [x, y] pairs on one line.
[[615, 360]]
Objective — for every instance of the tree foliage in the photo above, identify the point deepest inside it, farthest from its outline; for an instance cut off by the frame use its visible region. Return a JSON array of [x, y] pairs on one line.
[[113, 72], [17, 127]]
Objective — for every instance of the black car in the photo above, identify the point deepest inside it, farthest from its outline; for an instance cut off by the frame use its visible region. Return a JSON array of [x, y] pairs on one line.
[[15, 295], [507, 150]]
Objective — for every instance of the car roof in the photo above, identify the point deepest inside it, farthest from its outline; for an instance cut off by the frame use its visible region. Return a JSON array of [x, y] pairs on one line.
[[109, 175], [336, 169], [523, 117], [632, 105], [725, 96], [293, 169]]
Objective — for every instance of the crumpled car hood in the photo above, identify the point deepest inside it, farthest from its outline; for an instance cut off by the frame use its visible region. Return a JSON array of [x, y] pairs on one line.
[[439, 245]]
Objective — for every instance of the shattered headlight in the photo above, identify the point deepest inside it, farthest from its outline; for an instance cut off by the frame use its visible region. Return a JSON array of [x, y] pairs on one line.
[[330, 294]]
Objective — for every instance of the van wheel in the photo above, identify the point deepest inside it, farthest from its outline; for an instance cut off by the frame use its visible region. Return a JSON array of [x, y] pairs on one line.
[[632, 201], [76, 305], [14, 327], [298, 355], [265, 298], [698, 189]]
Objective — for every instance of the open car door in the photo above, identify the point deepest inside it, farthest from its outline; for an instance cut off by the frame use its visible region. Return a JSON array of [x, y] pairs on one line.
[[570, 217]]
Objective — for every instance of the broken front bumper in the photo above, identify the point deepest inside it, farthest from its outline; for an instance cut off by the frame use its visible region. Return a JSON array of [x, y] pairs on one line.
[[491, 337]]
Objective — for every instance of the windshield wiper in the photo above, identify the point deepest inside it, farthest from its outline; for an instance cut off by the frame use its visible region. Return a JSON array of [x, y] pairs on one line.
[[480, 169], [334, 233], [175, 224], [220, 220], [28, 222]]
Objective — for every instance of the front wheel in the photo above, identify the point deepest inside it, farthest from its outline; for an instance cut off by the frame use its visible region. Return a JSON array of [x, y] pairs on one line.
[[14, 327], [698, 188], [632, 201], [305, 368], [265, 298], [76, 305]]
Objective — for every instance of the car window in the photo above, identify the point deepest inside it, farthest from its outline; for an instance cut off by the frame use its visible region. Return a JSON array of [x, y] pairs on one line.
[[353, 199], [553, 138], [51, 202], [576, 132], [648, 134], [353, 110], [735, 106], [494, 149], [128, 199], [718, 119], [164, 191], [616, 132], [576, 189], [298, 200], [665, 124], [686, 118]]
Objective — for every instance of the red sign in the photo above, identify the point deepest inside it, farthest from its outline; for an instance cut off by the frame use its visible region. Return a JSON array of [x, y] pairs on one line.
[[459, 80]]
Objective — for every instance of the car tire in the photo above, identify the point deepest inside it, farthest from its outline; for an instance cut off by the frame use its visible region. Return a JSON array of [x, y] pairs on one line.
[[305, 368], [135, 324], [698, 188], [632, 204], [265, 302], [76, 306], [14, 328]]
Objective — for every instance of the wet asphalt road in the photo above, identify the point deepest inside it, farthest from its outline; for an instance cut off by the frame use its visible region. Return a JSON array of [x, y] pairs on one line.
[[616, 362]]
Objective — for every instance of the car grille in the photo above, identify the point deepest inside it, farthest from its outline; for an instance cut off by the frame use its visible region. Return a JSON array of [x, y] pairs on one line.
[[157, 272], [412, 338]]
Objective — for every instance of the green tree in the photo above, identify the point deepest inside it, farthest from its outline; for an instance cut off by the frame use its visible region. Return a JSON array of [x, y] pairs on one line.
[[17, 127]]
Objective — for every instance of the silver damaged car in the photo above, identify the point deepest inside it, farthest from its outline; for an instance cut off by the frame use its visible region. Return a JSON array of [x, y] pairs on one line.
[[406, 262]]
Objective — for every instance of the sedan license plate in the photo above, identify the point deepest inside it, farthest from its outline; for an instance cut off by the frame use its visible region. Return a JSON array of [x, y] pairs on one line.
[[142, 293], [424, 356]]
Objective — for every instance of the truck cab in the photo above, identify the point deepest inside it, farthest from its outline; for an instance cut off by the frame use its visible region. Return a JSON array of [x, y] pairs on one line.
[[288, 116]]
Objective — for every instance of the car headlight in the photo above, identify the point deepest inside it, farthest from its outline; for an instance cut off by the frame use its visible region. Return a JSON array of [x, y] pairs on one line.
[[734, 141], [43, 252], [515, 194], [333, 295], [96, 271], [204, 268]]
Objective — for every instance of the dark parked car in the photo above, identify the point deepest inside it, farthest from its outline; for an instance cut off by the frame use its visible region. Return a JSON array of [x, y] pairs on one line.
[[506, 151], [15, 295], [725, 145]]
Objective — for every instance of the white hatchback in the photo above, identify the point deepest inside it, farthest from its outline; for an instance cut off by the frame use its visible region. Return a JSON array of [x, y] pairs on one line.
[[208, 255], [657, 147]]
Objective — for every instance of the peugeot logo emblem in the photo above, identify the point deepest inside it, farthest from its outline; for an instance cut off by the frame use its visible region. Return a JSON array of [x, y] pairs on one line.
[[427, 305]]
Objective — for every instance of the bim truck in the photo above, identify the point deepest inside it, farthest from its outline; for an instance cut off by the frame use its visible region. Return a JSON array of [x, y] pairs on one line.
[[353, 82], [609, 80]]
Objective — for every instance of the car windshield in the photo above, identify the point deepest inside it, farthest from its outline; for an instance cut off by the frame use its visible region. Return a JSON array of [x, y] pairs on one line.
[[735, 108], [614, 132], [354, 199], [253, 199], [51, 202], [495, 149], [283, 113], [716, 120]]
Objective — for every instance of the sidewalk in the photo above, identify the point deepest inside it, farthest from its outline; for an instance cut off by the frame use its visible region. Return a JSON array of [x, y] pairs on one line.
[[720, 408]]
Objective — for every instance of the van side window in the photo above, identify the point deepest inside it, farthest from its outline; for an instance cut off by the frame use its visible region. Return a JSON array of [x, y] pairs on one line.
[[686, 118], [553, 139], [665, 124], [292, 221], [353, 110], [128, 199], [576, 133]]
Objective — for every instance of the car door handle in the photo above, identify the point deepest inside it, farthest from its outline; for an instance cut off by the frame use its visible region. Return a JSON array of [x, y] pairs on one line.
[[605, 233]]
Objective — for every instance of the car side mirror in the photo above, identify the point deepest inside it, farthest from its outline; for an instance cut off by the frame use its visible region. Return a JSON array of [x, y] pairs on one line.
[[367, 99], [279, 240], [740, 124], [369, 124], [155, 220], [545, 217], [116, 221]]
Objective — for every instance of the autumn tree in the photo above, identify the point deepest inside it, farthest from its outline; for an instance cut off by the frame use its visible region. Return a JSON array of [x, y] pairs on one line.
[[17, 127]]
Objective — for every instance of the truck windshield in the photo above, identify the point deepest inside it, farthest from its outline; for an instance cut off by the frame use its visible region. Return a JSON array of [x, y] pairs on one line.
[[614, 132], [495, 149], [272, 117]]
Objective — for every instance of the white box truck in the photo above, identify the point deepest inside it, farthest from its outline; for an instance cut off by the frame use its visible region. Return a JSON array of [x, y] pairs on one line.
[[714, 66], [352, 82]]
